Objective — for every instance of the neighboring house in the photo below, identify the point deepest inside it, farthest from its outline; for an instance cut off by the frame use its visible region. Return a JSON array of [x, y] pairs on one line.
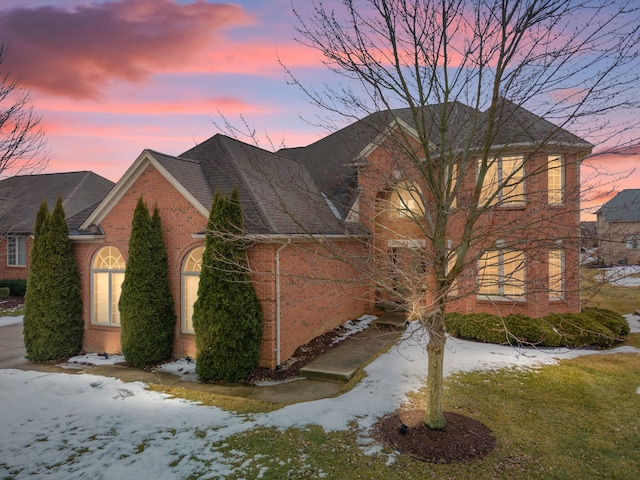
[[295, 199], [20, 199], [618, 224]]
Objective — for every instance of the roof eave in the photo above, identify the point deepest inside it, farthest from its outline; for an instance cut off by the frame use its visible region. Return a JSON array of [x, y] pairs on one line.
[[131, 175]]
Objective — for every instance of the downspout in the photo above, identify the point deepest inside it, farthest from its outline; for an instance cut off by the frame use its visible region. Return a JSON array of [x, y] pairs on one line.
[[282, 247]]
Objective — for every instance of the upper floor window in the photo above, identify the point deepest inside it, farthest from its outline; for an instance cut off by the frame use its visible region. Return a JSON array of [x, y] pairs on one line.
[[191, 269], [406, 200], [555, 180], [107, 272], [504, 181], [501, 274], [16, 251]]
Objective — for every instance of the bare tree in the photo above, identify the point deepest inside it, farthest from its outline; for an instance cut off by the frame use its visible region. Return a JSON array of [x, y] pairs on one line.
[[22, 140], [466, 170]]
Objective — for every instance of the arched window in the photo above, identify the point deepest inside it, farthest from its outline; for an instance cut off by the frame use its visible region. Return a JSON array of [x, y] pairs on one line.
[[107, 272], [191, 268], [406, 200]]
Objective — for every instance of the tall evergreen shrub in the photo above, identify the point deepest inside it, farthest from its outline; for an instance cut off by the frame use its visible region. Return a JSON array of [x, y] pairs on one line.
[[34, 333], [227, 317], [147, 317], [53, 309]]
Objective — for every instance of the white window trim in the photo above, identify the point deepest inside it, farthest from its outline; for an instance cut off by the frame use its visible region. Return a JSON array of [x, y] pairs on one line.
[[498, 199], [562, 180], [17, 250], [183, 305], [110, 292], [632, 242], [501, 297]]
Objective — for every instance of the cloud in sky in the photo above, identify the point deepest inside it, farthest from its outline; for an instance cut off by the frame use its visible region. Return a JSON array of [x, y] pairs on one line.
[[76, 51], [112, 77]]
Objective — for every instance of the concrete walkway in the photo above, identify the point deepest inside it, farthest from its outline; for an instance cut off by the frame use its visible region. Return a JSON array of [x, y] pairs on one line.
[[325, 377]]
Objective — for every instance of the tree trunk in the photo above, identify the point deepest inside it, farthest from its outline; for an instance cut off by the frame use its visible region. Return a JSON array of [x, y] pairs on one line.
[[434, 416]]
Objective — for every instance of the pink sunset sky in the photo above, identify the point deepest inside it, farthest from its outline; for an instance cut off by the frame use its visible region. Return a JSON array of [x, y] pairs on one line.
[[111, 78]]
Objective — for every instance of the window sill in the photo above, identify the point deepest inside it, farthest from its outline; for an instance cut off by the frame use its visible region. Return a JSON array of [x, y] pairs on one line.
[[501, 299], [110, 325]]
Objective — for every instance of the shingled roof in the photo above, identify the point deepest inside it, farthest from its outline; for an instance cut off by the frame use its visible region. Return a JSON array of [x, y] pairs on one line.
[[332, 160], [624, 207], [312, 189], [277, 194], [21, 196]]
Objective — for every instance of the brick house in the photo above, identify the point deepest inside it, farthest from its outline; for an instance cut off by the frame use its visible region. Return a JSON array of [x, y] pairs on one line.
[[298, 201], [20, 199], [618, 229]]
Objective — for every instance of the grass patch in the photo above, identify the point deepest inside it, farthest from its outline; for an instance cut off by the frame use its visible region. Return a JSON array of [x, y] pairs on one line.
[[577, 419], [596, 294], [12, 312], [633, 340], [225, 402]]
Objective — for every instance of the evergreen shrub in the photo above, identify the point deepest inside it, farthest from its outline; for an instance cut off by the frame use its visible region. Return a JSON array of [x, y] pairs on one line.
[[17, 288], [147, 317], [53, 324], [227, 316], [593, 327], [5, 292]]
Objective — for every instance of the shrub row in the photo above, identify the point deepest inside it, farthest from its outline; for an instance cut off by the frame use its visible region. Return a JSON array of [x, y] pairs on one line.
[[592, 327], [17, 288]]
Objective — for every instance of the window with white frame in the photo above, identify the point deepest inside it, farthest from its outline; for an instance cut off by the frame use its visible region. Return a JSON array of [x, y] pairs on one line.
[[633, 242], [504, 181], [556, 277], [501, 274], [107, 274], [191, 268], [555, 180], [16, 251]]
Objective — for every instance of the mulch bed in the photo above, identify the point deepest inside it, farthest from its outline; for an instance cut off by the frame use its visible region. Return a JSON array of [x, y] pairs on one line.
[[11, 302], [462, 439], [304, 355]]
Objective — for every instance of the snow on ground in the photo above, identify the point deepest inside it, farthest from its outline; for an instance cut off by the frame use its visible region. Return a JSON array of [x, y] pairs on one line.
[[621, 276], [87, 426], [6, 321]]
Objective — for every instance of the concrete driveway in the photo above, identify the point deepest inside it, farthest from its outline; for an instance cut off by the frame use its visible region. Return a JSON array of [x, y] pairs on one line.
[[12, 349]]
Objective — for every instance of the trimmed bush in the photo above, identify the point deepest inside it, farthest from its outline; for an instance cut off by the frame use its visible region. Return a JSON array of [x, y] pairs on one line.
[[610, 319], [593, 327], [53, 324], [582, 330], [147, 317], [227, 317], [5, 292], [17, 288]]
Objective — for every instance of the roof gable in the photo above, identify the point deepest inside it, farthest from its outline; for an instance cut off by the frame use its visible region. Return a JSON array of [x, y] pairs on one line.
[[183, 167]]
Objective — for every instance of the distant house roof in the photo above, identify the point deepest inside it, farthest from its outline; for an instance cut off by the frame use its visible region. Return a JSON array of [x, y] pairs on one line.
[[624, 207], [21, 196]]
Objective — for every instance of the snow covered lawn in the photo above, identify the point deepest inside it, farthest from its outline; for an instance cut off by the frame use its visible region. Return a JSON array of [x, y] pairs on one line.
[[87, 426]]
